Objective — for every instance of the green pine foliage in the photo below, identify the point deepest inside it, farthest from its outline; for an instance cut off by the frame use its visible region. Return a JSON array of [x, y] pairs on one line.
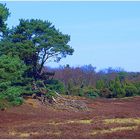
[[121, 89], [13, 95], [130, 90], [24, 50], [100, 84], [55, 85], [11, 68], [4, 13], [36, 42], [11, 74], [91, 92]]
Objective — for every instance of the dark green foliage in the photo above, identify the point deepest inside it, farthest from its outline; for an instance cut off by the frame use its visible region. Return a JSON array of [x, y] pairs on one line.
[[11, 71], [137, 85], [12, 95], [119, 88], [24, 50], [36, 42], [76, 91], [4, 85], [50, 94], [4, 13], [130, 90], [55, 85], [100, 84], [91, 93], [122, 76], [120, 92], [84, 92]]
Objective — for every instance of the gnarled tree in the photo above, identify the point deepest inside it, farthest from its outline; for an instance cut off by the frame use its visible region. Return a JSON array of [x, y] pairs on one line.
[[36, 42]]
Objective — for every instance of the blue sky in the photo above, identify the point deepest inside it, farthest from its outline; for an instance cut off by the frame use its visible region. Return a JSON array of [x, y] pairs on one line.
[[104, 34]]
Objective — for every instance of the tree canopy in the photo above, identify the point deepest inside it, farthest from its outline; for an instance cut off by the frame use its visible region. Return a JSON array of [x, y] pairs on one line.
[[4, 13], [25, 49], [36, 42]]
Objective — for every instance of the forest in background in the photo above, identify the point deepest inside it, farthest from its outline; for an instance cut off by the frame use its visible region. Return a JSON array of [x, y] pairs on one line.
[[108, 83]]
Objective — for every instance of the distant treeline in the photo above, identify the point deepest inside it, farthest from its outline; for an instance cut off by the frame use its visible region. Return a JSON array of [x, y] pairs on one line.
[[109, 83]]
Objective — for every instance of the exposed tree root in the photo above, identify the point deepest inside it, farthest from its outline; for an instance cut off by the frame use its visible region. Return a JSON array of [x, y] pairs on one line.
[[60, 102]]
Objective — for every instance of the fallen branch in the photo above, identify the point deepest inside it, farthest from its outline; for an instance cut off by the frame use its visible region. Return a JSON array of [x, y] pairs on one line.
[[59, 101]]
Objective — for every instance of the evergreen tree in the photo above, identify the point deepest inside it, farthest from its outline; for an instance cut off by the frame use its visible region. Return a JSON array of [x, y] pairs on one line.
[[4, 13], [11, 76], [100, 84], [36, 42]]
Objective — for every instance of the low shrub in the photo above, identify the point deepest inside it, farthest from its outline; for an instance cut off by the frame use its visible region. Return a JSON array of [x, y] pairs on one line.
[[50, 94], [76, 91], [106, 93], [84, 92], [56, 85], [91, 93], [12, 95], [131, 90]]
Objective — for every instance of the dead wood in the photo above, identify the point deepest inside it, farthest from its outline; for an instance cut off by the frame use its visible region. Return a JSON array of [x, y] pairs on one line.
[[58, 101]]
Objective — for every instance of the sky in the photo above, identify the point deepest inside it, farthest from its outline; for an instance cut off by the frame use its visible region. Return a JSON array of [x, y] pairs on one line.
[[104, 34]]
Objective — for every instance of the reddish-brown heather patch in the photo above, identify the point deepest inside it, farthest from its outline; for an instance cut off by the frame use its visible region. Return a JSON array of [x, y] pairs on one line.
[[33, 120]]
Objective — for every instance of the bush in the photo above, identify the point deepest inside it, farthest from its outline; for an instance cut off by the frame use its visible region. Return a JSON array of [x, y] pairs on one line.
[[120, 92], [100, 84], [11, 68], [91, 93], [131, 90], [12, 95], [55, 85], [17, 101], [11, 73], [76, 91], [50, 94], [106, 93], [137, 85], [84, 92]]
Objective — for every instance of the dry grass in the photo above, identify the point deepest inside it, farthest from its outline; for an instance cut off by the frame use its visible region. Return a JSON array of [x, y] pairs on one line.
[[111, 130], [135, 121], [71, 122], [22, 134], [54, 133], [80, 121], [32, 102]]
